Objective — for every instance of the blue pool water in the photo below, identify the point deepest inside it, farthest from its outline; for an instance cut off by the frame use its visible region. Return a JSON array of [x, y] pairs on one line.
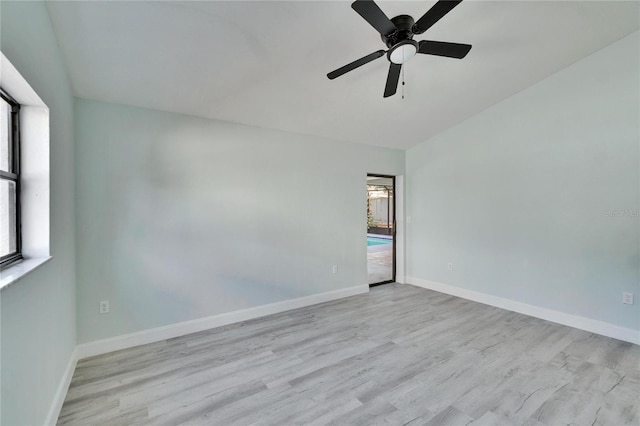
[[372, 241]]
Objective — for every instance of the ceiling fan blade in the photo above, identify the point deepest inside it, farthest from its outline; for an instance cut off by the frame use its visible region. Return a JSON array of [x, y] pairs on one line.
[[392, 80], [374, 16], [433, 15], [355, 64], [442, 48]]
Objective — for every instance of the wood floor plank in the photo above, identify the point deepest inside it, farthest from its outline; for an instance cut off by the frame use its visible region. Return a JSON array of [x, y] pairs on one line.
[[397, 355]]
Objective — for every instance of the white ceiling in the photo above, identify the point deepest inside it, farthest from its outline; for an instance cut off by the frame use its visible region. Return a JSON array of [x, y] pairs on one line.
[[265, 63]]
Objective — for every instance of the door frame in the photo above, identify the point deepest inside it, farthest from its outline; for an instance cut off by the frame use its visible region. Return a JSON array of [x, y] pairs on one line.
[[393, 235]]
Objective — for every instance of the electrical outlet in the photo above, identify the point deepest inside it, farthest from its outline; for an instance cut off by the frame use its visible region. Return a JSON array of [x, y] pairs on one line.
[[335, 269], [627, 298], [104, 306], [450, 266]]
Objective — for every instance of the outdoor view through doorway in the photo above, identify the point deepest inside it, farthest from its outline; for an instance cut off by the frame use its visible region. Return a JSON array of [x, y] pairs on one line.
[[381, 229]]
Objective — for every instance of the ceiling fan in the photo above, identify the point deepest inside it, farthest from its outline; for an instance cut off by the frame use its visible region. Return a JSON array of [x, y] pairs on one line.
[[397, 33]]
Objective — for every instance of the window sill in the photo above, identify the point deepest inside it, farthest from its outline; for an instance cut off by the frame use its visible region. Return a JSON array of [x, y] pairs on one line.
[[14, 273]]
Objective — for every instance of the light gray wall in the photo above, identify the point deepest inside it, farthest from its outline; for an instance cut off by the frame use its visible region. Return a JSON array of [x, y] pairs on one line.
[[517, 197], [38, 312], [181, 218]]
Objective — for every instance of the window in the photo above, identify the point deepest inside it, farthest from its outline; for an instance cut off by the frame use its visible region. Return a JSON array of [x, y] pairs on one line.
[[24, 177], [10, 238]]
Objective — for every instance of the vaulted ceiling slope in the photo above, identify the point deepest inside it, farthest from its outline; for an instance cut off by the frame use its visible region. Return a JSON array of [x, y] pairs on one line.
[[265, 63]]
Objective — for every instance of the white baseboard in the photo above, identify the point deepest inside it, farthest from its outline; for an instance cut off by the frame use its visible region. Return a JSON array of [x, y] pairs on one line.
[[61, 392], [99, 347], [582, 323]]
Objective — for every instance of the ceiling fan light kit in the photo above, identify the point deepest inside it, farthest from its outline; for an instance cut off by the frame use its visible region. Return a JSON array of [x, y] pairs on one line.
[[403, 51], [397, 33]]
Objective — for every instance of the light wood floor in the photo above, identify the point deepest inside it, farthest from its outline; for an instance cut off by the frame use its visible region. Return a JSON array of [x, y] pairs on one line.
[[398, 355]]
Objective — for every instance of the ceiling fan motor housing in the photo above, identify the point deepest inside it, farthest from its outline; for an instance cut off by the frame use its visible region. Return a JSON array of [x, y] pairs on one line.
[[404, 25], [401, 45]]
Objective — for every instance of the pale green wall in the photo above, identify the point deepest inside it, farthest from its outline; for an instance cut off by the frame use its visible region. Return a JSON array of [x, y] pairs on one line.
[[181, 218], [38, 332], [516, 197]]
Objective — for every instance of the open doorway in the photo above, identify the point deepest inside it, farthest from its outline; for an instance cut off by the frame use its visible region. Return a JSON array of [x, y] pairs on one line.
[[381, 229]]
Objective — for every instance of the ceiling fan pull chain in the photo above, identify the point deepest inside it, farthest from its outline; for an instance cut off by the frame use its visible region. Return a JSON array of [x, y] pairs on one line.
[[402, 82]]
